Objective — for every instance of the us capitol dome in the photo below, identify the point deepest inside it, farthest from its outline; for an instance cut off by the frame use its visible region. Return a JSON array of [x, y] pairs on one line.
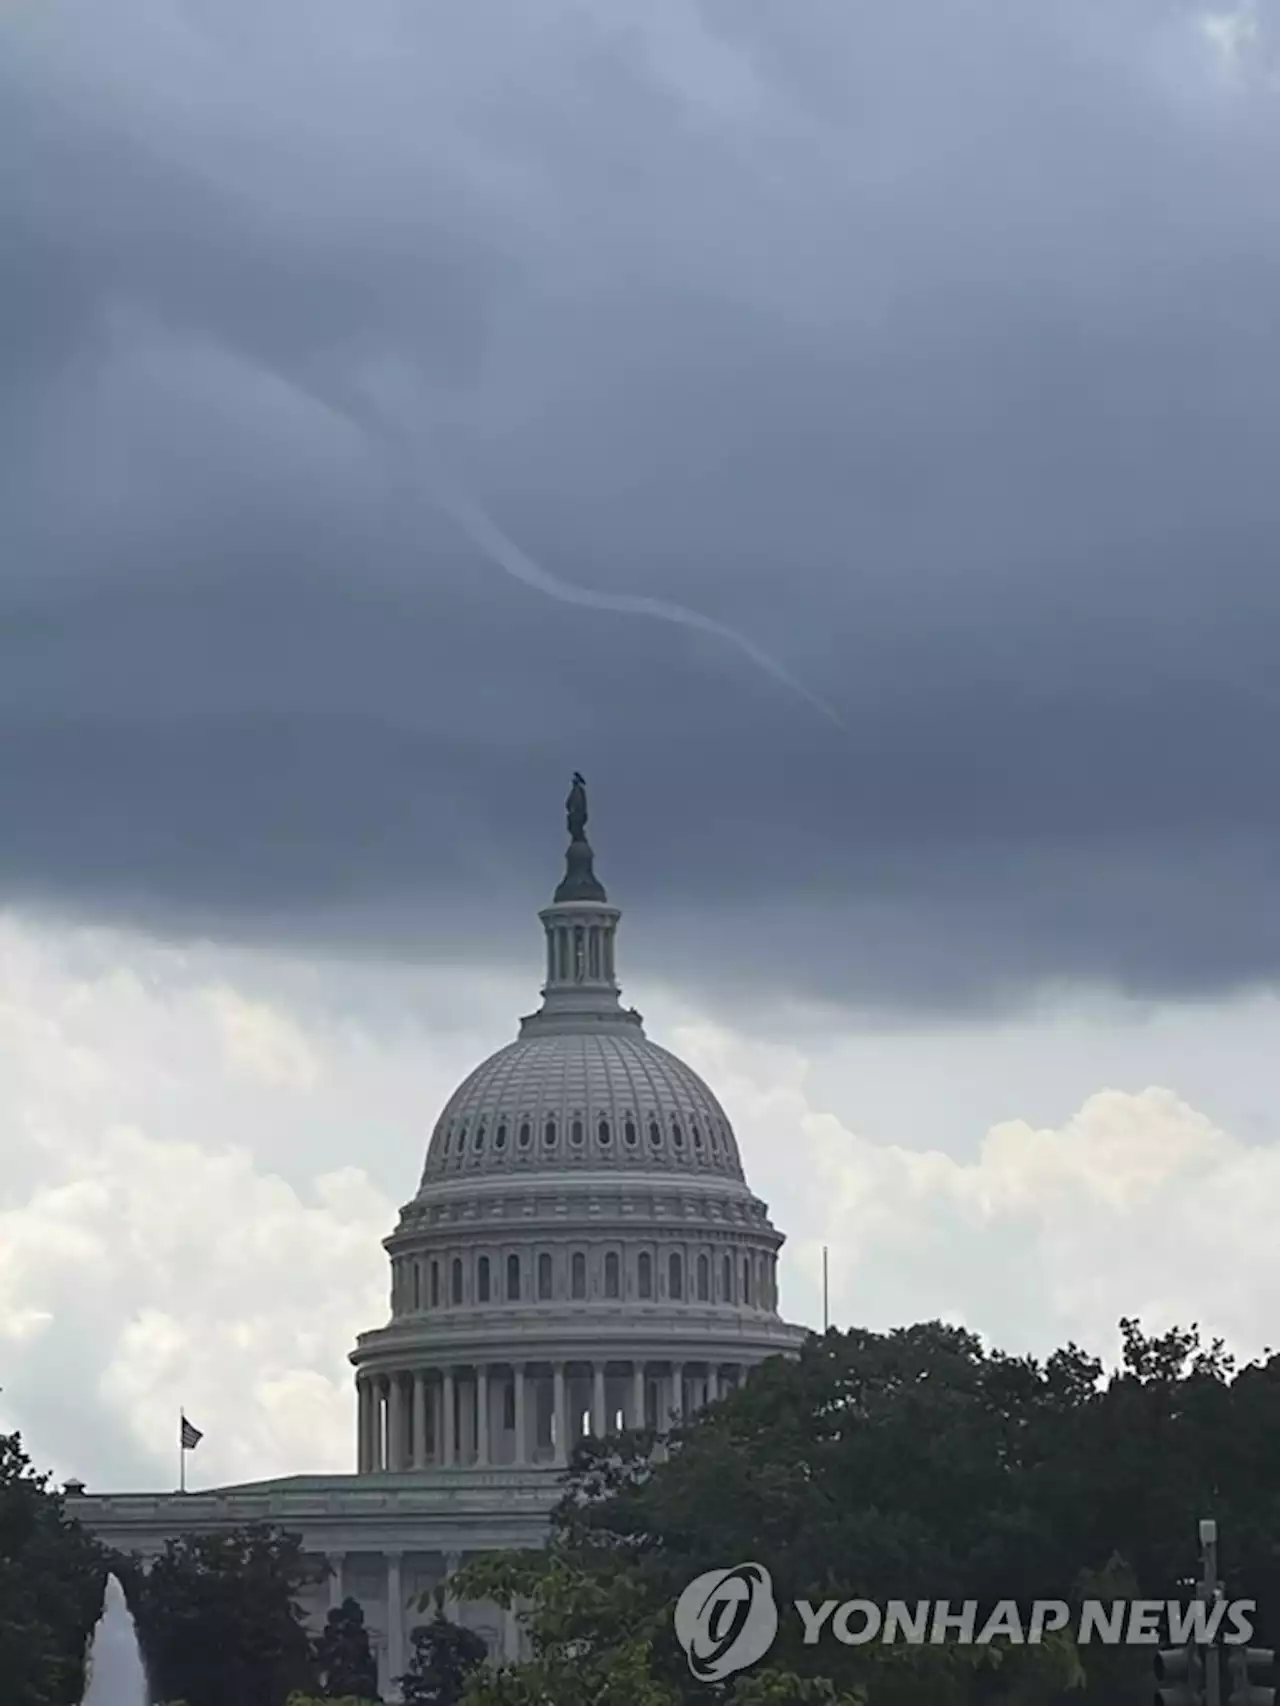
[[583, 1254]]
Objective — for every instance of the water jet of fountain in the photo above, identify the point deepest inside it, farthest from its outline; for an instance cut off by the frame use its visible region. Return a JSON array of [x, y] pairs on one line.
[[114, 1672]]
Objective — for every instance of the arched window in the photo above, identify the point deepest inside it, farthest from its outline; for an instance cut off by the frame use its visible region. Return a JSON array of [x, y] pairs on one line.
[[746, 1281], [544, 1277], [455, 1281], [675, 1275], [435, 1285], [604, 1134], [549, 1133], [612, 1275], [477, 1142], [482, 1280], [630, 1133], [704, 1279], [576, 1132], [728, 1280], [655, 1134], [417, 1285], [500, 1136], [578, 1275], [696, 1129], [677, 1134], [513, 1279], [526, 1134], [644, 1274]]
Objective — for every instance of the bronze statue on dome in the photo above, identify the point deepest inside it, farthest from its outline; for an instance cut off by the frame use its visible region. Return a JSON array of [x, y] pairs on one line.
[[576, 808]]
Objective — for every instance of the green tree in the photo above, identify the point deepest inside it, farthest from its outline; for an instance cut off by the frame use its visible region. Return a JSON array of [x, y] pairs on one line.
[[52, 1576], [444, 1657], [345, 1663], [218, 1619], [909, 1465]]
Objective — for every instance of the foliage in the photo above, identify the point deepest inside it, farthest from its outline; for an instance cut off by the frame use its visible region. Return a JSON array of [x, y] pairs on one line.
[[331, 1700], [444, 1657], [347, 1667], [52, 1576], [217, 1618], [910, 1465]]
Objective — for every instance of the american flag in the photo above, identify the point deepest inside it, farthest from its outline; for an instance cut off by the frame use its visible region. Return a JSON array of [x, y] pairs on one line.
[[191, 1435]]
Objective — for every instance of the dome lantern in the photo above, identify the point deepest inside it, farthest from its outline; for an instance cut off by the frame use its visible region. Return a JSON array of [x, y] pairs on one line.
[[580, 926]]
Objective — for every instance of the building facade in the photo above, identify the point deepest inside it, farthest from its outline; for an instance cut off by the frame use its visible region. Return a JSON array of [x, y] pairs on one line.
[[583, 1254]]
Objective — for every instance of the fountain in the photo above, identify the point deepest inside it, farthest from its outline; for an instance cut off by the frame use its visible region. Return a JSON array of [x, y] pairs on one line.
[[114, 1672]]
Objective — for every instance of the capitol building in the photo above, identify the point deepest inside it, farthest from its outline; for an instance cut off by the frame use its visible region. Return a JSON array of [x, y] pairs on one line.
[[583, 1254]]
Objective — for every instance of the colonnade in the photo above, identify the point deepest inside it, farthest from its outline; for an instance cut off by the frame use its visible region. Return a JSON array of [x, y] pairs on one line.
[[488, 1414]]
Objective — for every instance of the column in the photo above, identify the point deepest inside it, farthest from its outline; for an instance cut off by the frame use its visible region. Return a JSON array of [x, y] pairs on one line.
[[713, 1382], [599, 1421], [437, 1422], [450, 1417], [335, 1561], [395, 1423], [362, 1427], [677, 1393], [395, 1617], [561, 1419], [419, 1419], [482, 1415], [637, 1395], [522, 1445], [380, 1424], [452, 1564]]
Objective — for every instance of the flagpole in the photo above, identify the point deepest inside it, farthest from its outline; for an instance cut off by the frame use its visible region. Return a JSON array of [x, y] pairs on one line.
[[182, 1453]]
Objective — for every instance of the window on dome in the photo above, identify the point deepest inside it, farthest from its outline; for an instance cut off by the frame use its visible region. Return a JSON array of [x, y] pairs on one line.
[[482, 1280], [435, 1285], [544, 1278], [549, 1134], [677, 1133], [417, 1286], [460, 1139], [579, 954], [578, 1275], [576, 1131], [704, 1280], [630, 1133], [604, 1134], [728, 1280], [612, 1275], [715, 1138], [477, 1142], [644, 1274], [526, 1134], [456, 1279], [513, 1279], [500, 1136], [696, 1129], [746, 1281], [675, 1276], [655, 1134]]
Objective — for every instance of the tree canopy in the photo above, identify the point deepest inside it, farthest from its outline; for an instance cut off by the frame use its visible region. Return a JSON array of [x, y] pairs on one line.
[[912, 1465], [344, 1660], [52, 1576], [218, 1619]]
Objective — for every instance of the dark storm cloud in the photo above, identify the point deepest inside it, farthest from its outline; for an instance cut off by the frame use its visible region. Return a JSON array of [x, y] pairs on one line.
[[933, 349]]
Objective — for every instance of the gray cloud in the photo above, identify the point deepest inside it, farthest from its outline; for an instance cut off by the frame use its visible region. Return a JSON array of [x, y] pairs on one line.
[[932, 350]]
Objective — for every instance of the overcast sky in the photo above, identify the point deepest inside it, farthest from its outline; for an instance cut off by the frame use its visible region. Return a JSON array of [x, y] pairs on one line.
[[846, 433]]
